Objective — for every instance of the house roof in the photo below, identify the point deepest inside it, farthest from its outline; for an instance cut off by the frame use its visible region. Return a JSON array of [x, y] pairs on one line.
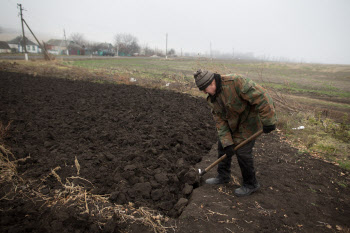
[[19, 39], [4, 45], [57, 42], [106, 45], [72, 44], [63, 43]]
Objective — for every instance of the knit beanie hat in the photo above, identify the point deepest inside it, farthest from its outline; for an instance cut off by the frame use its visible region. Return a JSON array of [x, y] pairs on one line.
[[203, 78]]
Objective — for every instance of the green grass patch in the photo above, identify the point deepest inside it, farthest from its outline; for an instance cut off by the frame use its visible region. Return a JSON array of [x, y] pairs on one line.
[[301, 78], [313, 190], [317, 102], [321, 136], [341, 184], [344, 164], [158, 69], [296, 89]]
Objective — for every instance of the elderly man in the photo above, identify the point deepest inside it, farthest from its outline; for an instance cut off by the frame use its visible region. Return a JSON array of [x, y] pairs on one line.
[[240, 108]]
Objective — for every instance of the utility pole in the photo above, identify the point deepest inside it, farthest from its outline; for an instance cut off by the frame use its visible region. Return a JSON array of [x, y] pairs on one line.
[[166, 46], [24, 37], [211, 55], [65, 39], [46, 55]]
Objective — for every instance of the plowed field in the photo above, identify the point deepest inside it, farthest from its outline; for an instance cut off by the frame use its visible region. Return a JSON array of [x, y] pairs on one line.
[[140, 145]]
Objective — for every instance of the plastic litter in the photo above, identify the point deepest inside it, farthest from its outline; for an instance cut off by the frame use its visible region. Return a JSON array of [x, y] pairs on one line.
[[300, 127]]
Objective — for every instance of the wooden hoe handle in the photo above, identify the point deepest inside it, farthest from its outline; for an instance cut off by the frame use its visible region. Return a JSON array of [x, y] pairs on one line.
[[257, 134]]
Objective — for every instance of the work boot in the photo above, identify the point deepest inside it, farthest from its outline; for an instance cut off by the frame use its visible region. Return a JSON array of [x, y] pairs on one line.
[[246, 190], [217, 180]]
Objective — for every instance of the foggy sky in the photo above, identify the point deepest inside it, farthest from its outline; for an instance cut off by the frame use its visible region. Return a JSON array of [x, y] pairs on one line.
[[302, 30]]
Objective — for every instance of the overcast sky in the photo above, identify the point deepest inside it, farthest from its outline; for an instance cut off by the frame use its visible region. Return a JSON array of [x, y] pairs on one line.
[[302, 30]]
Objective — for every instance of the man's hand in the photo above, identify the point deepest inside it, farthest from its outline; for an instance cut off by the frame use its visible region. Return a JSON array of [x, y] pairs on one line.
[[229, 151], [269, 128]]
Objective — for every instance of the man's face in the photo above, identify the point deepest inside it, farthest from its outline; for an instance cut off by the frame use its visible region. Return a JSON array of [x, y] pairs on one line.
[[211, 88]]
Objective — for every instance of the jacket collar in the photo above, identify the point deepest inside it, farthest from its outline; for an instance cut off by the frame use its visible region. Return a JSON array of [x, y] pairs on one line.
[[217, 78]]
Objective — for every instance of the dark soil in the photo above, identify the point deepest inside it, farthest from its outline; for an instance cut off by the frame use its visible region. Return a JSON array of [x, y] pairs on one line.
[[298, 194], [140, 145]]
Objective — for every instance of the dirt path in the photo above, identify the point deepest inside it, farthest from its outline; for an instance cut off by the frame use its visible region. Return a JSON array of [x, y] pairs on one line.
[[298, 194], [138, 145]]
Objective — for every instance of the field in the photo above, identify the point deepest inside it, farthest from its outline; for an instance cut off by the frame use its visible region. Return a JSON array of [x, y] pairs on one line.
[[321, 91], [114, 146]]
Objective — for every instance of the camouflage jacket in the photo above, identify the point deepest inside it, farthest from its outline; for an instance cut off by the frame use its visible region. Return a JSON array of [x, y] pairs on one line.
[[240, 109]]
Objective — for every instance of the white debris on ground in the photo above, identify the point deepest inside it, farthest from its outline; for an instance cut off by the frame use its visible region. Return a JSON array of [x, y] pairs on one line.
[[300, 127]]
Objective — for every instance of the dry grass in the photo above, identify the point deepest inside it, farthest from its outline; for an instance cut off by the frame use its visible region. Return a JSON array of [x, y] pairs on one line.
[[70, 195], [75, 196], [99, 206], [8, 168], [4, 131]]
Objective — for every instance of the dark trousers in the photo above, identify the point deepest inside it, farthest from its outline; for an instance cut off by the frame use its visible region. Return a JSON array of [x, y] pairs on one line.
[[245, 161]]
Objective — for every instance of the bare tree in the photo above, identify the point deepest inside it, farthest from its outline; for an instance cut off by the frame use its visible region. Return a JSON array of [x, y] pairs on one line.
[[171, 52], [78, 38], [92, 46], [95, 46], [147, 50], [126, 43]]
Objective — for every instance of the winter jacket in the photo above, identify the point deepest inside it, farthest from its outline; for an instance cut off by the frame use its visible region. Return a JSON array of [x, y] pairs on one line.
[[240, 109]]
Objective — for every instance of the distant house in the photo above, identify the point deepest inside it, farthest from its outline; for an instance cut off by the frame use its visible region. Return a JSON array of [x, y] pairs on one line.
[[90, 49], [57, 47], [60, 47], [106, 49], [75, 49], [17, 45], [4, 47]]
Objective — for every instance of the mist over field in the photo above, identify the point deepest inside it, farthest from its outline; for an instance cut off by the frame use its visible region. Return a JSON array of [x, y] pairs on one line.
[[103, 127], [297, 31]]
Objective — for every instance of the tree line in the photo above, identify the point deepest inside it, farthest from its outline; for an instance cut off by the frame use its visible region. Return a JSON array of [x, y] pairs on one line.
[[124, 43]]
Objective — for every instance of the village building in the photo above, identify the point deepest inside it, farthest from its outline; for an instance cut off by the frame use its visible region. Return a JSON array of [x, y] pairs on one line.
[[64, 47], [4, 47], [57, 47], [17, 45], [106, 49]]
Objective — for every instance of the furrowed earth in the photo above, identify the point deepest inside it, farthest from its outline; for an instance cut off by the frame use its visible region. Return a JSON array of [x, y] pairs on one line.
[[141, 148]]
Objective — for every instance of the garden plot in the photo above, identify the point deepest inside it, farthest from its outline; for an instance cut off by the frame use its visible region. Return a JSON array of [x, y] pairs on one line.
[[114, 158]]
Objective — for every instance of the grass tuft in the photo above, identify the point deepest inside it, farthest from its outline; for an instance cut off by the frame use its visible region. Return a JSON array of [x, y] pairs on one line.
[[321, 137]]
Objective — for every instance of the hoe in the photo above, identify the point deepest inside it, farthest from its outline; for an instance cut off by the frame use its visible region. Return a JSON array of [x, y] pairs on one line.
[[201, 173]]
